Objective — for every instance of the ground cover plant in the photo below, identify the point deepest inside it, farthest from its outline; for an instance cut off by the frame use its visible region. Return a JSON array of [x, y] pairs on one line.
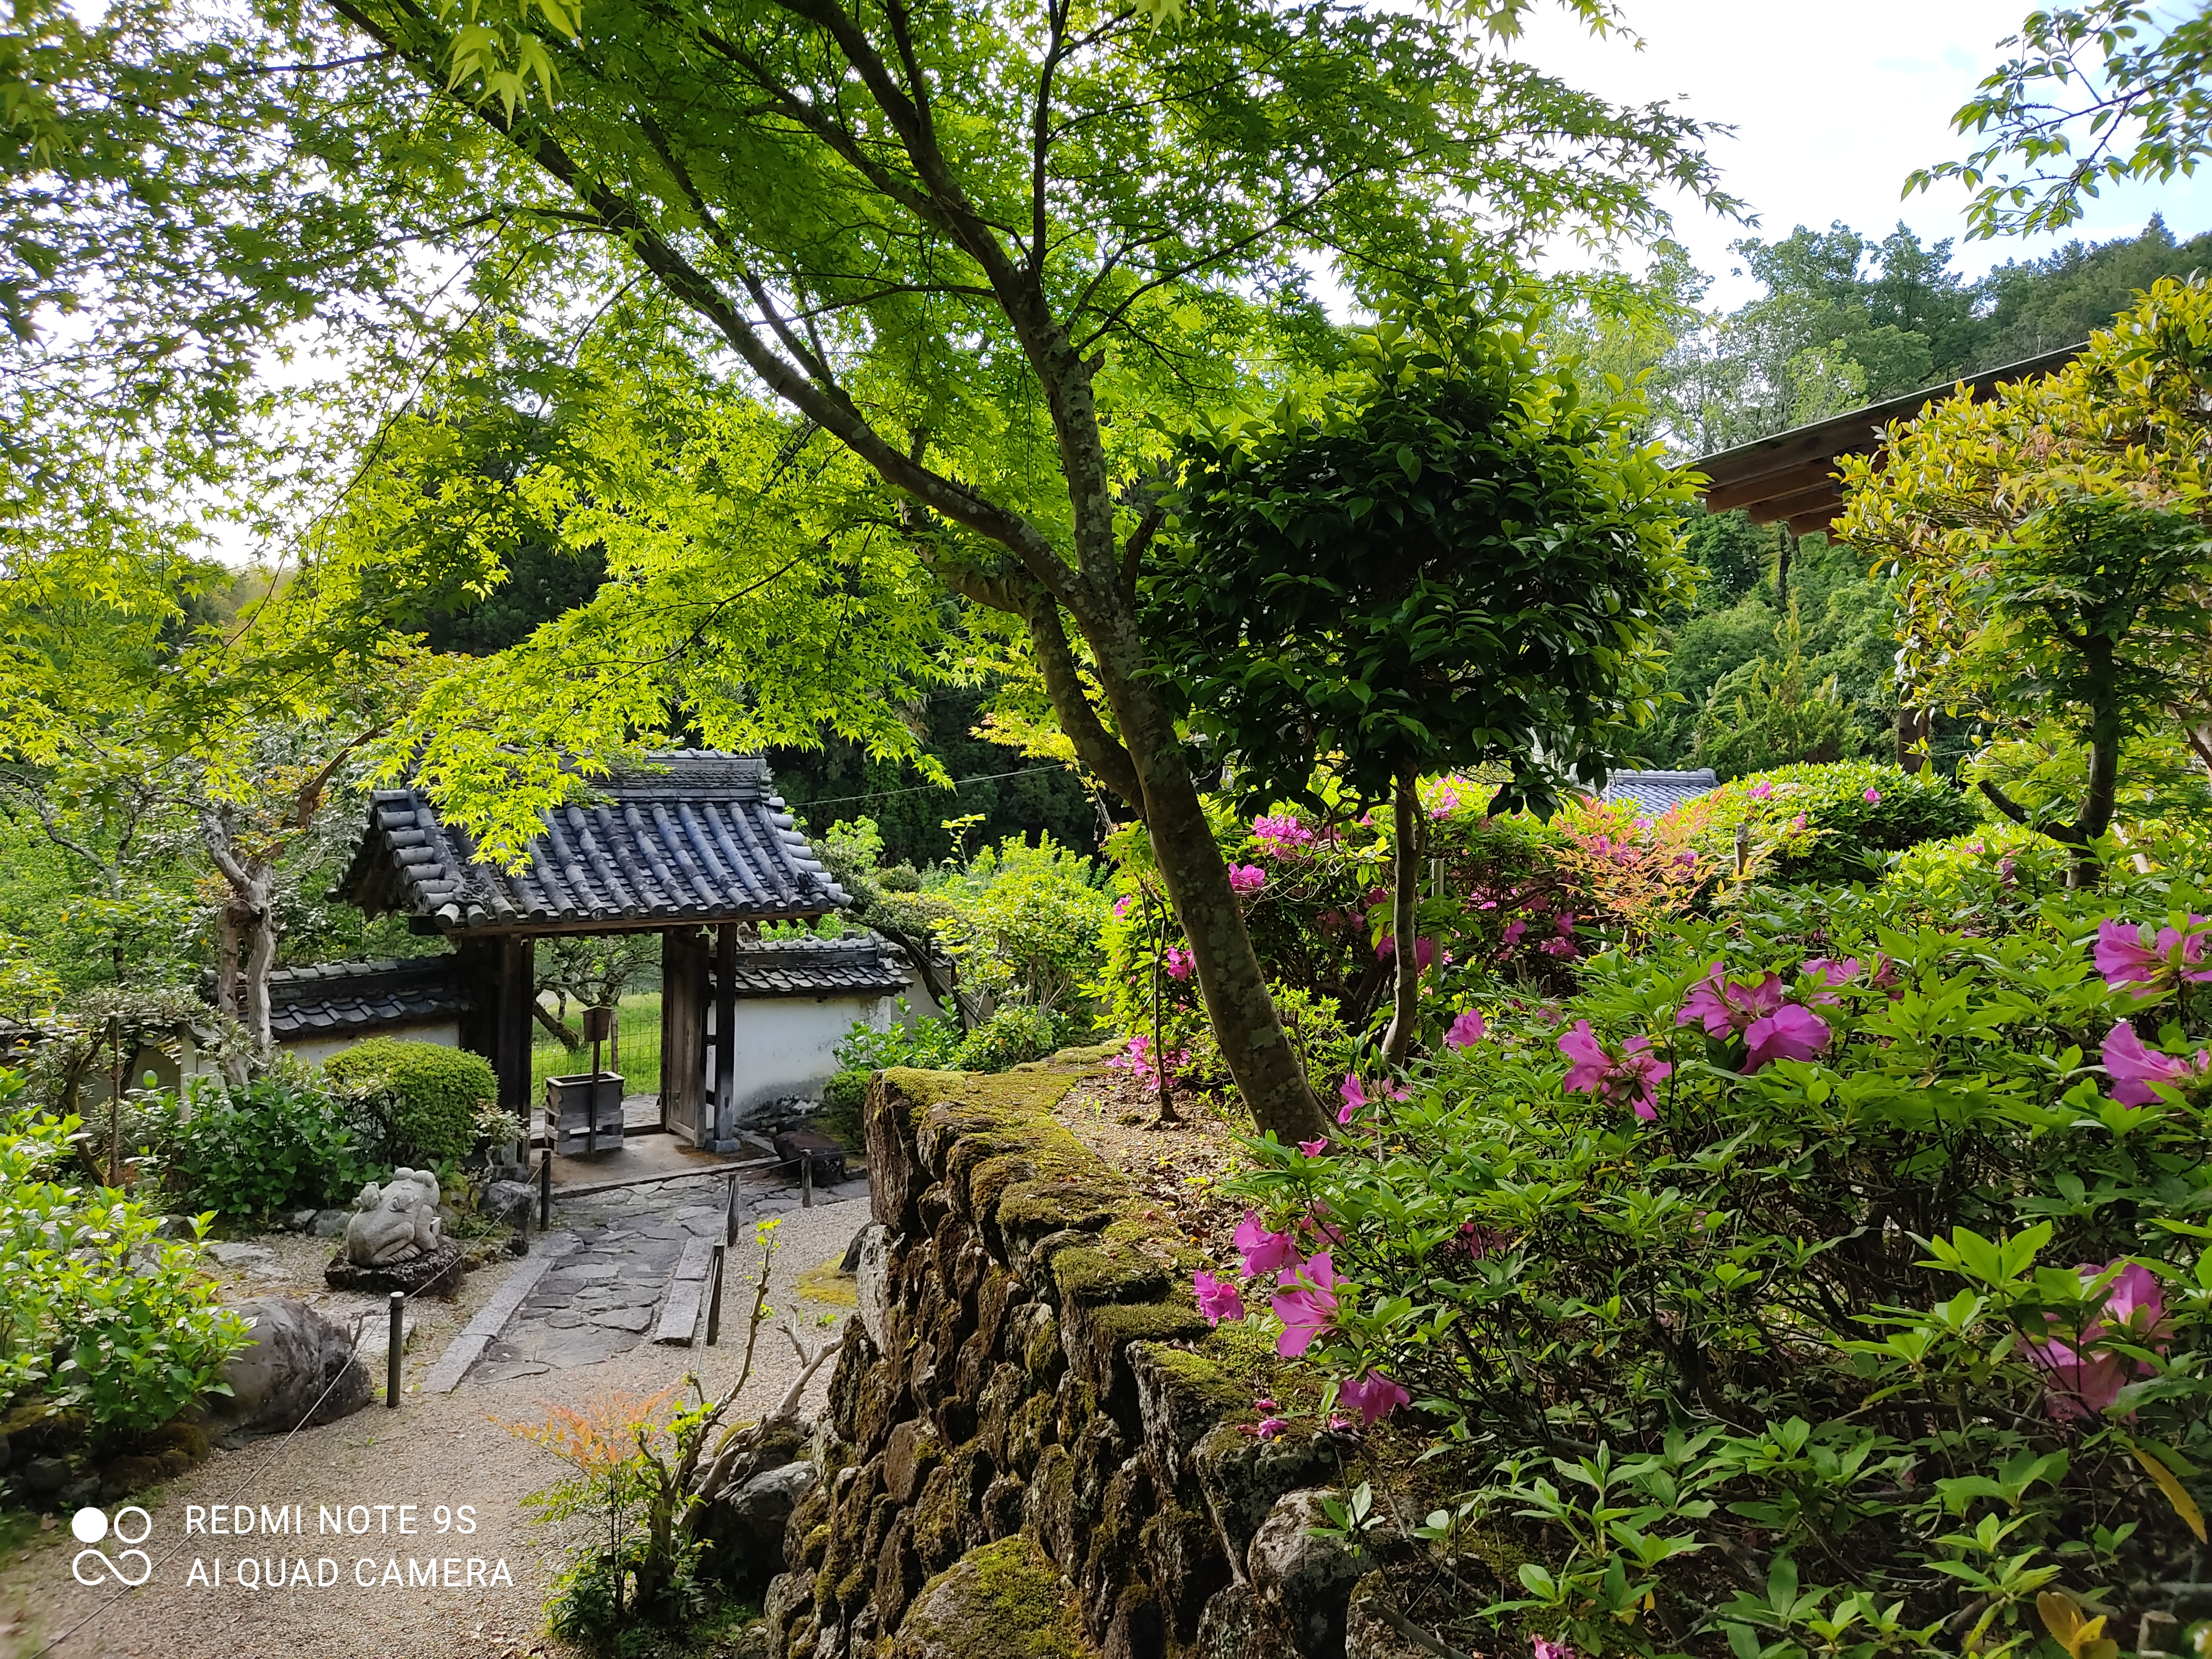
[[104, 1315]]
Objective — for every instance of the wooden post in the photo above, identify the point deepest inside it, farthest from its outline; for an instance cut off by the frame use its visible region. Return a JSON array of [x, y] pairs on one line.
[[725, 1030], [545, 1193], [806, 1179], [391, 1351], [512, 1064], [715, 1297], [730, 1229]]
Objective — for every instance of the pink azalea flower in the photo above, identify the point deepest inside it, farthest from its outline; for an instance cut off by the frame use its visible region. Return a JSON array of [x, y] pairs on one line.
[[1216, 1299], [1513, 932], [2087, 1376], [1872, 797], [1790, 1032], [2125, 959], [1263, 1252], [1726, 1007], [1828, 971], [2134, 1068], [1137, 1061], [1373, 1397], [1466, 1030], [1762, 792], [1630, 1077], [1280, 836], [1798, 823], [1246, 879], [1179, 962], [1558, 947], [1306, 1303], [1544, 1648], [1313, 1148], [1121, 905], [1269, 1427], [1354, 1095]]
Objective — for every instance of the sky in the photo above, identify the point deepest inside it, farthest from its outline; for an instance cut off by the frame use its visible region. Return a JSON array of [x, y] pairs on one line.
[[1833, 106]]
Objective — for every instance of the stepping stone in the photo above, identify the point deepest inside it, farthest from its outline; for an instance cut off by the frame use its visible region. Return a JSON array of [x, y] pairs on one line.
[[623, 1319], [566, 1350], [595, 1270], [564, 1319], [503, 1370], [687, 1294], [464, 1350]]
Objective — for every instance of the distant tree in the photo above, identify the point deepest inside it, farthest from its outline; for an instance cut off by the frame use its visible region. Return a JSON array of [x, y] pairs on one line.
[[2054, 543]]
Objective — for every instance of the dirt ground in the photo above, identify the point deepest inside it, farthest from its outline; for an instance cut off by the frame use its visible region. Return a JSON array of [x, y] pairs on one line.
[[375, 1471], [1177, 1166]]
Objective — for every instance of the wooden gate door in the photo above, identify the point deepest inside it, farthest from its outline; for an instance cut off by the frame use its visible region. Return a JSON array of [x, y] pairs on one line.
[[684, 1032]]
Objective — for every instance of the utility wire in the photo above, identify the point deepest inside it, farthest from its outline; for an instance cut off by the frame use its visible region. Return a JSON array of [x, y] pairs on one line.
[[919, 788]]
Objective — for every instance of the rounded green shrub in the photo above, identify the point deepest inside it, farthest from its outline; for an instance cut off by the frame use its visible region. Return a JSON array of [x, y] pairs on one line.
[[434, 1093], [1836, 822]]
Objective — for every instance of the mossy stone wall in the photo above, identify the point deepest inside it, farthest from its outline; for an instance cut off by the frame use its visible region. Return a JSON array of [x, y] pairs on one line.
[[1028, 1448]]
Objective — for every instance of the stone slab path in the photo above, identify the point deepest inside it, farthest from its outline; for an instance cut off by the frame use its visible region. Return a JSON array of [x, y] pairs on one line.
[[617, 1283]]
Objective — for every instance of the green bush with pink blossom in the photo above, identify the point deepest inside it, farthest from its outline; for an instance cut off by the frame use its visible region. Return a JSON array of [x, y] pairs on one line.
[[1812, 1280]]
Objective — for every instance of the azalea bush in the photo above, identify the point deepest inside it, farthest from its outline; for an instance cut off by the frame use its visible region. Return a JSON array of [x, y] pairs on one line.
[[1515, 902], [1824, 1282]]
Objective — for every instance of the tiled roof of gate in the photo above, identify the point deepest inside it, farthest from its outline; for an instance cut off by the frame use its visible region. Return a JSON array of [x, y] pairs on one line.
[[1659, 792], [343, 999], [701, 838], [853, 965]]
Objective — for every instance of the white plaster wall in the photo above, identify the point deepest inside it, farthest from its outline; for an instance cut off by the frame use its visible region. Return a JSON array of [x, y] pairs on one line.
[[786, 1045], [316, 1050]]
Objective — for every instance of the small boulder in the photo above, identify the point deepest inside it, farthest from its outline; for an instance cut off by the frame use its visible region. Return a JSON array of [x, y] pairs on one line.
[[241, 1255], [79, 1493], [119, 1477], [757, 1513], [510, 1201], [43, 1476], [178, 1226], [299, 1220], [329, 1224], [1308, 1579], [299, 1367], [810, 1145], [850, 1262], [436, 1271]]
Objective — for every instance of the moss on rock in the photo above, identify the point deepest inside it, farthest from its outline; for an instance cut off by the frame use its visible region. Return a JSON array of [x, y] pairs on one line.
[[1002, 1600]]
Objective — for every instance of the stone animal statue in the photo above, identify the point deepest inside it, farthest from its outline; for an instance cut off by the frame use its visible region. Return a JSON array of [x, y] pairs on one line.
[[394, 1222]]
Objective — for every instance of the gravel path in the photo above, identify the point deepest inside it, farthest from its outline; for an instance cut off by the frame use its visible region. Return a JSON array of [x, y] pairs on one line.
[[447, 1449]]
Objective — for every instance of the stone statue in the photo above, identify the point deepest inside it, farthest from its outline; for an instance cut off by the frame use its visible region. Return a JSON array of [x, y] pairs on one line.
[[395, 1222]]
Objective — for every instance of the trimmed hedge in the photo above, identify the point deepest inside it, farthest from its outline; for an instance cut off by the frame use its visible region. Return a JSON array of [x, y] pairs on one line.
[[1842, 828], [435, 1093]]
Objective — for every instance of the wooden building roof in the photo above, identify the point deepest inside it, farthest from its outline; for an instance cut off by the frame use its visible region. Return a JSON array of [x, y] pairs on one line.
[[1792, 476], [700, 838]]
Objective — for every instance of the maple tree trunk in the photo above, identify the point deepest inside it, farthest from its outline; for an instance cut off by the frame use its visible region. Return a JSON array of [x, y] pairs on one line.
[[1231, 981]]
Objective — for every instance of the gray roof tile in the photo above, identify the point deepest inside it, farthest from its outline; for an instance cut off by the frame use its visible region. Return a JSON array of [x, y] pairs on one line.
[[699, 837]]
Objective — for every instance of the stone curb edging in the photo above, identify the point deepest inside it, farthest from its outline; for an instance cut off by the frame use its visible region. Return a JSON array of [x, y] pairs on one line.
[[465, 1349]]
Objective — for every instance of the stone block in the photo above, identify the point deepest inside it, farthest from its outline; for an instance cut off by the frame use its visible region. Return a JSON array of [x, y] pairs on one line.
[[433, 1273], [1305, 1577]]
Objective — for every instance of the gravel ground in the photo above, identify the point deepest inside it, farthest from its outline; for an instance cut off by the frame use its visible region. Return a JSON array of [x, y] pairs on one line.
[[435, 1450]]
